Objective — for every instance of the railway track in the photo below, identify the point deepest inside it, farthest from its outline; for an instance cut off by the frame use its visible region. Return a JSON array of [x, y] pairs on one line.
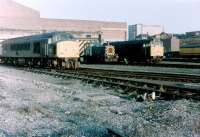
[[176, 77], [144, 89], [172, 64], [167, 64]]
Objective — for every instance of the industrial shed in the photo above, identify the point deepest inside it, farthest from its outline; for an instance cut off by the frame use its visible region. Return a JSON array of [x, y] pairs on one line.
[[22, 21]]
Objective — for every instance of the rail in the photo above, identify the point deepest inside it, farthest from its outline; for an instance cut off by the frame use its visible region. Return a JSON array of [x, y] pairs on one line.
[[176, 77], [144, 89]]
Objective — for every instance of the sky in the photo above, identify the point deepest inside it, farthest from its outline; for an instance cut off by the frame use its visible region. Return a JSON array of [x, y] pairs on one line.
[[177, 16]]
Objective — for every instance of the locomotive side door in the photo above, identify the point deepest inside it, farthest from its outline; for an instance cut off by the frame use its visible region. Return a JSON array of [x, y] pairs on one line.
[[145, 50], [44, 49]]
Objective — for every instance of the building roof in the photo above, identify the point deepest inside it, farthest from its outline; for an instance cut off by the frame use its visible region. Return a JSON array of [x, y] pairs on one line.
[[11, 9]]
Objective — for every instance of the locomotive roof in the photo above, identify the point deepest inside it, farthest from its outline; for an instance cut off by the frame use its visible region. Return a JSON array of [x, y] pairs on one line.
[[40, 37], [132, 42]]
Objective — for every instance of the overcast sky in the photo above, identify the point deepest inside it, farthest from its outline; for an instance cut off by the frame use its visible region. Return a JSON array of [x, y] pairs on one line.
[[176, 15]]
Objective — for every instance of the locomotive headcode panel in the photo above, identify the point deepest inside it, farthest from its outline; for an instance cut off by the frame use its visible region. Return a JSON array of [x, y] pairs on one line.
[[157, 51], [68, 49]]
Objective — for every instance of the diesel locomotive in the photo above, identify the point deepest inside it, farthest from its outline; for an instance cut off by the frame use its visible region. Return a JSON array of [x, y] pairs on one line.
[[126, 52], [100, 54], [56, 49], [139, 51]]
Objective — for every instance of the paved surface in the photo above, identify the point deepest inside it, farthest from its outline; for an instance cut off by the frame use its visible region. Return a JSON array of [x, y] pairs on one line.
[[45, 106]]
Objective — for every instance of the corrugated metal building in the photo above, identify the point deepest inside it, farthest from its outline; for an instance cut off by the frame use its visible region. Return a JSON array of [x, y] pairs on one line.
[[21, 21]]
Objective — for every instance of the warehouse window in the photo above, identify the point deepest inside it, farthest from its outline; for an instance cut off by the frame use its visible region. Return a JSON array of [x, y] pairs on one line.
[[36, 47], [88, 36]]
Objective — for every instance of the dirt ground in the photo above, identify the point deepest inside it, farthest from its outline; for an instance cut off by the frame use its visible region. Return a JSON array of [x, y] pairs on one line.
[[45, 106]]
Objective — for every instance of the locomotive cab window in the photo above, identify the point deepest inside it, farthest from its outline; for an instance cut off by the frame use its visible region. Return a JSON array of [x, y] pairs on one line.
[[52, 49]]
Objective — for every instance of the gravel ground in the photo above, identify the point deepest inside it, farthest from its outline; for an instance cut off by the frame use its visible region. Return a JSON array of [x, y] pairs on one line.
[[144, 69], [45, 106]]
